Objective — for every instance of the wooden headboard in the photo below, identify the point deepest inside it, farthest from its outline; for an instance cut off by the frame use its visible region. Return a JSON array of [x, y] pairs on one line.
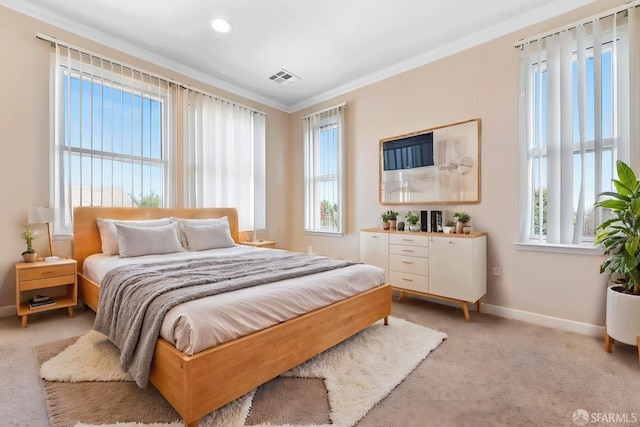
[[86, 237]]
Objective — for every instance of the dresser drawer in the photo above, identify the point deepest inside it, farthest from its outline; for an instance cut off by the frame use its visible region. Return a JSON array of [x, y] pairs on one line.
[[46, 272], [409, 281], [419, 251], [409, 239], [409, 264]]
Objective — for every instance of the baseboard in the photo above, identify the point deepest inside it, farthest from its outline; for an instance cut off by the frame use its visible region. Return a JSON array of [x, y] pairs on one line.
[[544, 320], [7, 311]]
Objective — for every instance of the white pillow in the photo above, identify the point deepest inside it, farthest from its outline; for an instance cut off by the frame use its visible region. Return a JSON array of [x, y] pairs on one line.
[[109, 234], [212, 236], [194, 222], [138, 241]]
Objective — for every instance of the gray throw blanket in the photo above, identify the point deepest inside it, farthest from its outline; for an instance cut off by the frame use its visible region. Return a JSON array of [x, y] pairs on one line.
[[134, 299]]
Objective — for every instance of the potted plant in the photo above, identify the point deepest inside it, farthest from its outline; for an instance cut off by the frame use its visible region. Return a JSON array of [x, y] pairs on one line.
[[463, 219], [393, 218], [412, 219], [29, 236], [449, 228], [620, 239], [384, 218]]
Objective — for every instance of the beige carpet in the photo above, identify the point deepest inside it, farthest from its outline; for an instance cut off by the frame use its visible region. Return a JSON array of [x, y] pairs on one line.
[[337, 387]]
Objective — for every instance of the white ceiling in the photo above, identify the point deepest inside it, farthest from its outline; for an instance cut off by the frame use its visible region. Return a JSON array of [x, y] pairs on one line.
[[332, 45]]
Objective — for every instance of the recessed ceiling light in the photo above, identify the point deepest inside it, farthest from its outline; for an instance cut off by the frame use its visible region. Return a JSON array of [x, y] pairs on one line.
[[220, 25]]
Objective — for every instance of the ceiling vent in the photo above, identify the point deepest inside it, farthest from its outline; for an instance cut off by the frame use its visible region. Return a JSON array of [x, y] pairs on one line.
[[284, 77]]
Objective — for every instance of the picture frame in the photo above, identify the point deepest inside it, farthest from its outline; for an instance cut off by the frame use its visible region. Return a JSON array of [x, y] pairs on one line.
[[440, 165]]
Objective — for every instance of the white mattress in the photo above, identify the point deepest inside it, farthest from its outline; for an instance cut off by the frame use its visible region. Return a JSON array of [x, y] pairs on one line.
[[200, 324]]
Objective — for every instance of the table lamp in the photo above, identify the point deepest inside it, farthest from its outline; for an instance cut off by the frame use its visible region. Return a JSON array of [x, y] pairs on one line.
[[44, 216]]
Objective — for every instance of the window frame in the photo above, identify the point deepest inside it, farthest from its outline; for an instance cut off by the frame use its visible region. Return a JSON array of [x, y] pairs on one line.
[[63, 152], [528, 155], [312, 171]]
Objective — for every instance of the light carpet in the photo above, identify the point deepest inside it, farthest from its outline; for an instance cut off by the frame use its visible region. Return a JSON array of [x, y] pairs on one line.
[[357, 374]]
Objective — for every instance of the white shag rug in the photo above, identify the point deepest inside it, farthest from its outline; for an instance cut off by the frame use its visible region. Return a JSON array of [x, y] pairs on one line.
[[358, 373]]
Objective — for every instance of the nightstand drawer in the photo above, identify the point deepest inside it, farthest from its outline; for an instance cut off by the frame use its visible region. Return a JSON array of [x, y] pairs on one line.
[[49, 282], [47, 272]]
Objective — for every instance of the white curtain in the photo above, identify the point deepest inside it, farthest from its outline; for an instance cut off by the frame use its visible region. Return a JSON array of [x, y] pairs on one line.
[[562, 120], [224, 157]]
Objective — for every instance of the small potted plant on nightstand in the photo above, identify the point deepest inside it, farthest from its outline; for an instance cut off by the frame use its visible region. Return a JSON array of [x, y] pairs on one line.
[[29, 236], [412, 219]]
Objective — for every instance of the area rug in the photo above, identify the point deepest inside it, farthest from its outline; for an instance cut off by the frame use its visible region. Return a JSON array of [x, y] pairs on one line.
[[83, 386]]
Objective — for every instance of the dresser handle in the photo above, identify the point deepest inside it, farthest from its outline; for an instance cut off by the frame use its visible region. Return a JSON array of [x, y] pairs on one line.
[[407, 262], [407, 250], [374, 237], [407, 240], [407, 280], [47, 272]]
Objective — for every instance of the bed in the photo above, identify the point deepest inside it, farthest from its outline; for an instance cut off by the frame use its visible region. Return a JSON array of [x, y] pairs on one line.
[[197, 384]]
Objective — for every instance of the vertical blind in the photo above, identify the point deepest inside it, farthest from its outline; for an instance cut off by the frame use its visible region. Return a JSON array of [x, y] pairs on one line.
[[114, 129], [224, 154], [575, 122]]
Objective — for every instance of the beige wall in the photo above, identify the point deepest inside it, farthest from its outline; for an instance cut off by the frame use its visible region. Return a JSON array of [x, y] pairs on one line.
[[24, 137], [481, 82]]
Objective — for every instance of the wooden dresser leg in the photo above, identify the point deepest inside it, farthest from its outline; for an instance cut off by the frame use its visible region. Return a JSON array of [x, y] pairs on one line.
[[465, 309], [608, 342], [386, 322], [70, 311], [479, 305]]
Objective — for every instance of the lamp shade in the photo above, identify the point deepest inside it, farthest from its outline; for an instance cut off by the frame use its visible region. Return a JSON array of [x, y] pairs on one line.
[[41, 215]]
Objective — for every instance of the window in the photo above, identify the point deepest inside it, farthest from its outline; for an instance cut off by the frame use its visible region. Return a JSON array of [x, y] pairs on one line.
[[575, 111], [324, 171], [112, 139]]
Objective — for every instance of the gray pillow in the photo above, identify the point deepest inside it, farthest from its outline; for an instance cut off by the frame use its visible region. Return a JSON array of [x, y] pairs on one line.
[[138, 241], [211, 236]]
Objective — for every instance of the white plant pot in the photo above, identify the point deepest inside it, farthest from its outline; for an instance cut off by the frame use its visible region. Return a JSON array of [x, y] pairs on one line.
[[623, 317]]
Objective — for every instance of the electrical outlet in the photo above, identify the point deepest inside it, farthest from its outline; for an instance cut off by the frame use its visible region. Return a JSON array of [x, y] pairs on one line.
[[497, 271]]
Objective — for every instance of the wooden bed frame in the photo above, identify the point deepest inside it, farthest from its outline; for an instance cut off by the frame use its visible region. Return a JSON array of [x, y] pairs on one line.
[[199, 384]]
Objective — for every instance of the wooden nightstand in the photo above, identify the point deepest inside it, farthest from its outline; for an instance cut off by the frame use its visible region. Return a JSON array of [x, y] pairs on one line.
[[261, 244], [40, 275]]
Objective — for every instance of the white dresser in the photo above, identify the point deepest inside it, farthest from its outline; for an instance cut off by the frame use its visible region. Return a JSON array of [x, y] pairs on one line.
[[450, 267]]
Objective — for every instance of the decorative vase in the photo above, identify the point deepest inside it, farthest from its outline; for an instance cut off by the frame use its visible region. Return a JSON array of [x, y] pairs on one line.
[[459, 227], [623, 316], [385, 225], [29, 256], [466, 229], [392, 223], [400, 226], [414, 227]]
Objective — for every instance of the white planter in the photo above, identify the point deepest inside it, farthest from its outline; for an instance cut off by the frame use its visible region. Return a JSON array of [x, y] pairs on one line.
[[623, 317]]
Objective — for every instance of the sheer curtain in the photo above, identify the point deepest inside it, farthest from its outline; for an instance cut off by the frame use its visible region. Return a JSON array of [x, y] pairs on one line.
[[224, 157], [575, 123]]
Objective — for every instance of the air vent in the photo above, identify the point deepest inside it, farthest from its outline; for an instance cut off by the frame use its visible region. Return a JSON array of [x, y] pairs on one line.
[[284, 77]]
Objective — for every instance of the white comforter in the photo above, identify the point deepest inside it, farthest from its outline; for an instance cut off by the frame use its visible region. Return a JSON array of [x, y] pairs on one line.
[[197, 325]]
